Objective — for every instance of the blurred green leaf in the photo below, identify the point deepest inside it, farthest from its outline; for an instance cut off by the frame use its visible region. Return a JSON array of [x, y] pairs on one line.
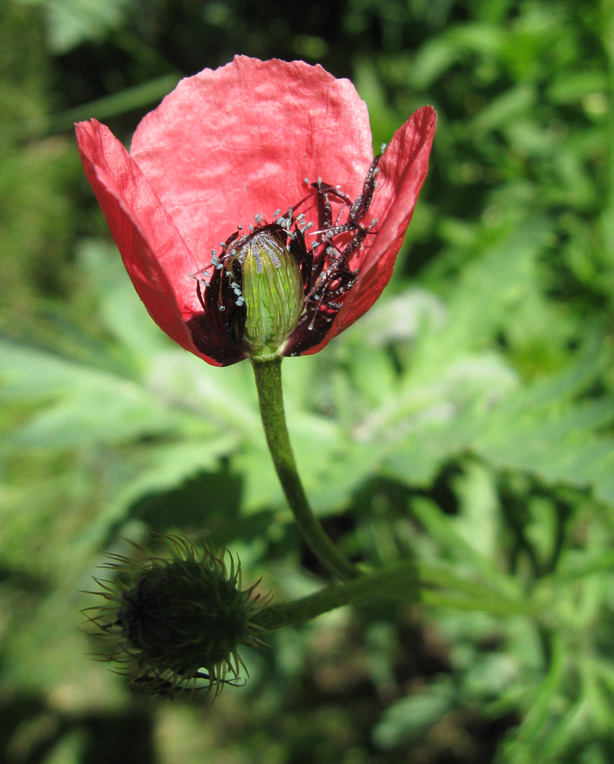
[[105, 108], [89, 406], [531, 429], [156, 470], [412, 717], [71, 22]]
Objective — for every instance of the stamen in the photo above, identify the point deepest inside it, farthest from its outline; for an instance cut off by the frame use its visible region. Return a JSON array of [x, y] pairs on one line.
[[339, 231]]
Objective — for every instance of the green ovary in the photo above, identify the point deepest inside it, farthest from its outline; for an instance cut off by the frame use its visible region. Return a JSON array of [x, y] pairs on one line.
[[273, 293]]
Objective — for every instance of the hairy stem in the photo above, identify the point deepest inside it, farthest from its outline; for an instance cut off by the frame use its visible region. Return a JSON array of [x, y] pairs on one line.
[[267, 371], [400, 580], [406, 581]]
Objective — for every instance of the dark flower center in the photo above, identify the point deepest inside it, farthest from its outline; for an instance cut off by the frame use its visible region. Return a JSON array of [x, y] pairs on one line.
[[269, 290]]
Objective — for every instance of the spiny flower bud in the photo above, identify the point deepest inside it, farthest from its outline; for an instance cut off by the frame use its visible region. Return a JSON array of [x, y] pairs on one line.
[[177, 623]]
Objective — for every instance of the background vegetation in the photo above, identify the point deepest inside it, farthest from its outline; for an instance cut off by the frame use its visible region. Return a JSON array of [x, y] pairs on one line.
[[467, 420]]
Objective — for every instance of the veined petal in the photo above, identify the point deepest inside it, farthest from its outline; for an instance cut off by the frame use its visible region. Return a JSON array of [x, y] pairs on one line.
[[224, 151], [403, 168], [228, 144], [154, 253]]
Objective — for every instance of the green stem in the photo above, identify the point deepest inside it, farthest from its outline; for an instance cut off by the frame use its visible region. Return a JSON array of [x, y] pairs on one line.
[[383, 582], [267, 371], [407, 580]]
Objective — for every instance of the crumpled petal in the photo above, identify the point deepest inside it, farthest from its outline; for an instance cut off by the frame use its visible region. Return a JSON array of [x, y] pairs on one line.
[[249, 138], [403, 168], [228, 144], [154, 253]]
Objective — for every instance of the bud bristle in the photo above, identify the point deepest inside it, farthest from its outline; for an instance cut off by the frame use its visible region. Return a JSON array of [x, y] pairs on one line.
[[176, 623]]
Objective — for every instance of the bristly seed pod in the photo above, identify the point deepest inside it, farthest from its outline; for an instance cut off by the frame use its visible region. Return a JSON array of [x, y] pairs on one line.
[[177, 623]]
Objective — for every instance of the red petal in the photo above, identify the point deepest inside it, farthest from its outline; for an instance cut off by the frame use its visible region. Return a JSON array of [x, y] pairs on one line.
[[403, 168], [240, 140], [154, 253]]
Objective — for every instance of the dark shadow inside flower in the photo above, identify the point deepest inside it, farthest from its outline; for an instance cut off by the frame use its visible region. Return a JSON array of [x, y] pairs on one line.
[[303, 262]]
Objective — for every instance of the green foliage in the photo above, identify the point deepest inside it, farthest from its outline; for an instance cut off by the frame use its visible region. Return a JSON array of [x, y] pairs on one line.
[[71, 22], [466, 421]]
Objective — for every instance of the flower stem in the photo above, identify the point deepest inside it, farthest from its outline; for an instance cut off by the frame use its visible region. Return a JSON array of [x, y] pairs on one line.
[[401, 580], [406, 580], [267, 370]]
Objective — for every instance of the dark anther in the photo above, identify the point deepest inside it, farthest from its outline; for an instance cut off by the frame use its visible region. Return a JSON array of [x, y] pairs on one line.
[[323, 265]]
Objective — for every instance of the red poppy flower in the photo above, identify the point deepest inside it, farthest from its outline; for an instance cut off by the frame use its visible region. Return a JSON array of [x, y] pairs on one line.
[[261, 162]]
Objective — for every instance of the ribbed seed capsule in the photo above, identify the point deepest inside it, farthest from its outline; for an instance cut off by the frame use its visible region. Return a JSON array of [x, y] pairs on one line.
[[273, 292]]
